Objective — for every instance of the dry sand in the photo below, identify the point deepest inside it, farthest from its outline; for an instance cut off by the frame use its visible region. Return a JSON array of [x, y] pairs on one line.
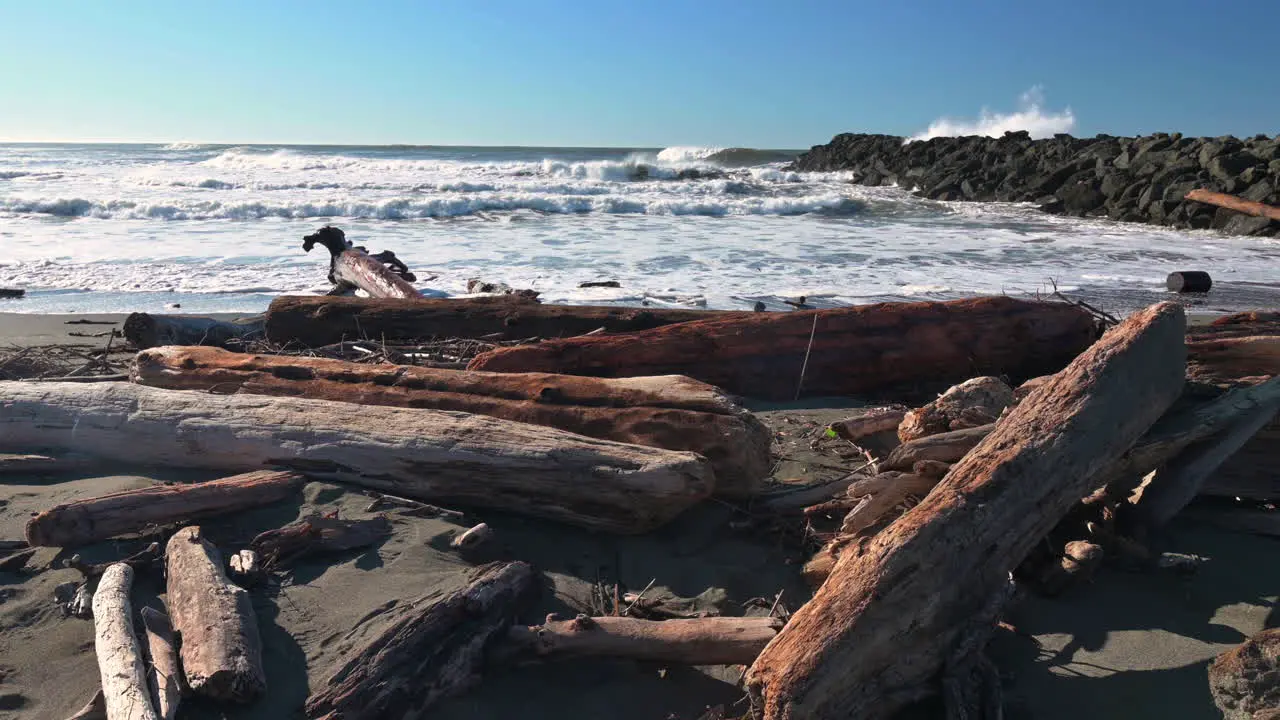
[[1126, 646]]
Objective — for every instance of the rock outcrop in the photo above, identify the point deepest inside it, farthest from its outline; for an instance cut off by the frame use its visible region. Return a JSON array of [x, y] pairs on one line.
[[1140, 179]]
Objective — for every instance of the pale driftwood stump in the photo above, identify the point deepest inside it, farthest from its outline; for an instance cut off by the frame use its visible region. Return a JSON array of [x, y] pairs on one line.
[[83, 522], [431, 455], [221, 651], [671, 412], [123, 673], [893, 612], [435, 650]]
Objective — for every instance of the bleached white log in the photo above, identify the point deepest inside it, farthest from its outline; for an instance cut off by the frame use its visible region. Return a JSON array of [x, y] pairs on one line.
[[120, 665]]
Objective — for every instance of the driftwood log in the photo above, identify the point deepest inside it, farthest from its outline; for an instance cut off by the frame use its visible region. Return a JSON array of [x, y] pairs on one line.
[[434, 650], [944, 447], [353, 267], [120, 664], [698, 641], [1250, 472], [1242, 680], [669, 412], [974, 402], [1231, 202], [854, 350], [316, 534], [144, 330], [221, 651], [15, 464], [892, 614], [165, 674], [318, 321], [82, 522], [427, 455]]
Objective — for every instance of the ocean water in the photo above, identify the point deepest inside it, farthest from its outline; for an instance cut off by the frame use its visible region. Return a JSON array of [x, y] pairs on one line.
[[111, 228]]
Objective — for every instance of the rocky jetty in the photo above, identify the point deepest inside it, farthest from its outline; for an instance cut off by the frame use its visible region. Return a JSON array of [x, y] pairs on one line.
[[1141, 179]]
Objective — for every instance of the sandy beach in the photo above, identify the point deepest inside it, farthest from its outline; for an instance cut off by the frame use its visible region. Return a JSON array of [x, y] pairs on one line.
[[1128, 645]]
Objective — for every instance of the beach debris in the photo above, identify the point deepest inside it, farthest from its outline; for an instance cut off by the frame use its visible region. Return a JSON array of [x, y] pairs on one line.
[[435, 649], [146, 330], [693, 641], [430, 455], [864, 648], [473, 538], [670, 412], [16, 561], [945, 447], [1189, 281], [1245, 680], [121, 667], [95, 709], [381, 275], [799, 303], [82, 522], [160, 649], [478, 286], [600, 284], [246, 566], [974, 402], [317, 321], [25, 464], [871, 421], [411, 508], [56, 362], [317, 534], [221, 651], [144, 559], [854, 350], [12, 293]]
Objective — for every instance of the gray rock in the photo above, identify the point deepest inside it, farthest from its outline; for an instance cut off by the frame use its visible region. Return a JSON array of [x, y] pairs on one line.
[[1114, 183], [1228, 167], [1261, 191], [1246, 225]]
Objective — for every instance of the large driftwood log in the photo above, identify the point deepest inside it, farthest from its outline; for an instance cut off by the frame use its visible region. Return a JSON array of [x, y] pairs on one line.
[[317, 321], [853, 350], [698, 641], [162, 653], [123, 674], [429, 455], [82, 522], [669, 412], [1233, 357], [891, 614], [435, 649], [1231, 202], [221, 651], [1243, 679], [144, 330]]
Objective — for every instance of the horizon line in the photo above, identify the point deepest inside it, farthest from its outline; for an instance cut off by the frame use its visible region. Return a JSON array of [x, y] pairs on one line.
[[13, 141]]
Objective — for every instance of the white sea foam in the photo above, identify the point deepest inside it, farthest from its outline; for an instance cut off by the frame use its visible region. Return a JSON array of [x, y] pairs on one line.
[[218, 228], [1030, 116]]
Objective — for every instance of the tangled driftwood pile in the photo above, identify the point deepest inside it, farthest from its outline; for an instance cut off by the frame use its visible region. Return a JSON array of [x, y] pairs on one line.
[[1055, 451]]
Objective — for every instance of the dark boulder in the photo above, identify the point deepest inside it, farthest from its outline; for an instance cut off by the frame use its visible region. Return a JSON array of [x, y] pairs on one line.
[[1228, 167], [1081, 199]]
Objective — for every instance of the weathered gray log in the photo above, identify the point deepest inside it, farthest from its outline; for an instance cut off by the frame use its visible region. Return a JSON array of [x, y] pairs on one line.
[[845, 351], [870, 422], [356, 267], [165, 675], [891, 615], [428, 455], [317, 534], [221, 651], [120, 665], [876, 505], [1177, 483], [699, 641], [318, 321], [434, 650], [144, 330], [1232, 358], [945, 447], [669, 412], [14, 464], [82, 522]]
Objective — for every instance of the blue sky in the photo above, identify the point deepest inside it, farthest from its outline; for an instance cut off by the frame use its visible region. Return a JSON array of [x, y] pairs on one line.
[[649, 73]]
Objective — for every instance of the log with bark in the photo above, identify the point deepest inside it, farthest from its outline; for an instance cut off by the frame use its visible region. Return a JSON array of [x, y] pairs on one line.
[[162, 654], [855, 350], [354, 267], [891, 616], [428, 455], [120, 665], [316, 534], [318, 321], [1231, 202], [699, 641], [974, 402], [670, 412], [144, 330], [944, 447], [1233, 358], [82, 522], [221, 651], [435, 649]]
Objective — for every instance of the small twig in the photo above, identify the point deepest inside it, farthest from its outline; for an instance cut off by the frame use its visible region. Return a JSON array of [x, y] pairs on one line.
[[639, 597], [805, 366]]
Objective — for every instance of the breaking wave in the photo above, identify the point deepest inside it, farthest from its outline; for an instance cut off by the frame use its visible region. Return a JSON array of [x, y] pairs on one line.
[[1030, 116]]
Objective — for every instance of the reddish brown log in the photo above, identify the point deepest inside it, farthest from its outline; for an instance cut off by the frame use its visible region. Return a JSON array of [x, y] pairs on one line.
[[877, 633], [854, 350], [317, 321], [82, 522], [667, 412], [1231, 202], [1233, 358]]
